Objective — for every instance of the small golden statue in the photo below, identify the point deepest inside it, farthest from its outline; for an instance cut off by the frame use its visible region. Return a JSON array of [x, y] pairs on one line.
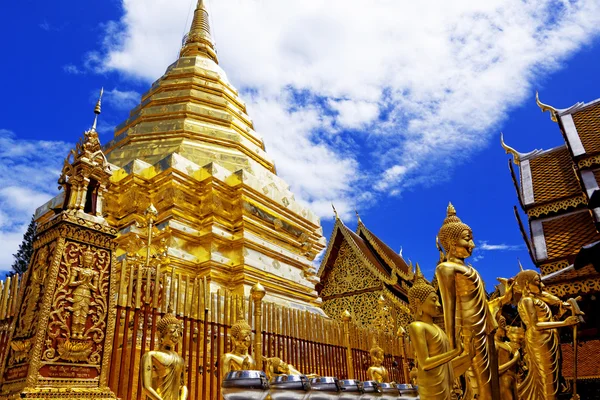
[[377, 372], [162, 370], [437, 362], [239, 359], [541, 337], [508, 356], [82, 279], [276, 366], [465, 302]]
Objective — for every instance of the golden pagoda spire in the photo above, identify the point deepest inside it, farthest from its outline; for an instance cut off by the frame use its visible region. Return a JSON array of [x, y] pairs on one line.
[[199, 40], [98, 109]]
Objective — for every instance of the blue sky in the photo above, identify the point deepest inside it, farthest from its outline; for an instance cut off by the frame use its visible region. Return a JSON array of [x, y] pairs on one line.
[[391, 109]]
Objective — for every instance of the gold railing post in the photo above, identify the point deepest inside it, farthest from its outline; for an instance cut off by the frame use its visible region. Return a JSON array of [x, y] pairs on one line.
[[346, 318], [258, 292], [402, 335]]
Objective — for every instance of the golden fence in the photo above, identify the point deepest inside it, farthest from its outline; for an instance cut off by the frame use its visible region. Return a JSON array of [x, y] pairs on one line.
[[9, 299], [312, 343]]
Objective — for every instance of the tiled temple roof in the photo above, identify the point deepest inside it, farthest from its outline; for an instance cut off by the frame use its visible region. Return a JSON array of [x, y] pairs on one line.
[[565, 235], [553, 176]]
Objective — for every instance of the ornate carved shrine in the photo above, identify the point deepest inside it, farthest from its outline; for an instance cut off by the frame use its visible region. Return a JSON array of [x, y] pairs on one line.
[[360, 273], [61, 339]]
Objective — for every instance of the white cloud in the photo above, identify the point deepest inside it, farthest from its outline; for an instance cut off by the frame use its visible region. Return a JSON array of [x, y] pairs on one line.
[[122, 100], [73, 69], [485, 246], [420, 84], [28, 173]]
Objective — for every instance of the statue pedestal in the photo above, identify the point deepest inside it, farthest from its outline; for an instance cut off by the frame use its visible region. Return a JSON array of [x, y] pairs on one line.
[[62, 336]]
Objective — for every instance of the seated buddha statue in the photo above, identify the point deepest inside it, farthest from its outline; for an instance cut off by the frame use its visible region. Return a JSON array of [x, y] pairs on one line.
[[437, 362], [162, 369], [377, 372], [238, 359]]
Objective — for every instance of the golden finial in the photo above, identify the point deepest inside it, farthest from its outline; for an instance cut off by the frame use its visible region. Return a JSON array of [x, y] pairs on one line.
[[450, 211], [517, 157], [335, 211], [358, 216], [520, 265], [346, 316], [199, 39], [546, 107], [509, 150], [98, 109], [151, 211], [257, 292]]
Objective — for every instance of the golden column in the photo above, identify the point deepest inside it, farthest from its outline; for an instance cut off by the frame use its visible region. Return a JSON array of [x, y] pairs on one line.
[[61, 341], [346, 318], [258, 292]]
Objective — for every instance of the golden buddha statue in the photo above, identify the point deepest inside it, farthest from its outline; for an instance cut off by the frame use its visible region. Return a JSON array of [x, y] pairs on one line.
[[508, 356], [276, 367], [437, 362], [238, 359], [162, 370], [465, 304], [377, 372], [541, 337]]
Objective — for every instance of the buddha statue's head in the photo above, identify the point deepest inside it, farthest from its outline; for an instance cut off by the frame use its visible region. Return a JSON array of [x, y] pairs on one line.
[[169, 330], [455, 237], [528, 281], [241, 335], [377, 354], [423, 299]]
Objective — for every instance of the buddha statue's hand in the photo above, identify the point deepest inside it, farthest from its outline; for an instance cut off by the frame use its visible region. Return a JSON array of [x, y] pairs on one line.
[[572, 320], [246, 363]]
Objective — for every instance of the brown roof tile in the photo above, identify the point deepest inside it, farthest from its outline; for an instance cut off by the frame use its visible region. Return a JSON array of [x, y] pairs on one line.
[[553, 176], [567, 234], [380, 246], [587, 360], [587, 122]]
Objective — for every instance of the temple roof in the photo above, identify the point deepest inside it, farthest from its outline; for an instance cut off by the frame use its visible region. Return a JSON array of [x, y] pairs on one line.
[[587, 122], [565, 235], [390, 257], [376, 255], [587, 360], [553, 176]]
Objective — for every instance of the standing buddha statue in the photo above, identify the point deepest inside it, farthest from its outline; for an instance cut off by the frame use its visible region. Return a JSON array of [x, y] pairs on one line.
[[377, 372], [541, 337], [465, 304], [162, 370], [238, 359], [437, 362]]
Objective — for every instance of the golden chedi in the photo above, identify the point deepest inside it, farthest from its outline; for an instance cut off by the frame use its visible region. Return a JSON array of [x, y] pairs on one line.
[[162, 370], [238, 359], [437, 361], [465, 303], [541, 337], [377, 372]]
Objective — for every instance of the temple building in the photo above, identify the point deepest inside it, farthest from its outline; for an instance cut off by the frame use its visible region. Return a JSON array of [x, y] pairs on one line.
[[558, 190], [190, 149], [362, 274]]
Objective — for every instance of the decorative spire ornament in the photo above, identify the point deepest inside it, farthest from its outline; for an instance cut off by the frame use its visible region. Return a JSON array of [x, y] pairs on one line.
[[98, 109], [199, 40]]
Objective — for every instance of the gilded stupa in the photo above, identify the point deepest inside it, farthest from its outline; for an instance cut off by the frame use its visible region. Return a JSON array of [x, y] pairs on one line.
[[190, 149]]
